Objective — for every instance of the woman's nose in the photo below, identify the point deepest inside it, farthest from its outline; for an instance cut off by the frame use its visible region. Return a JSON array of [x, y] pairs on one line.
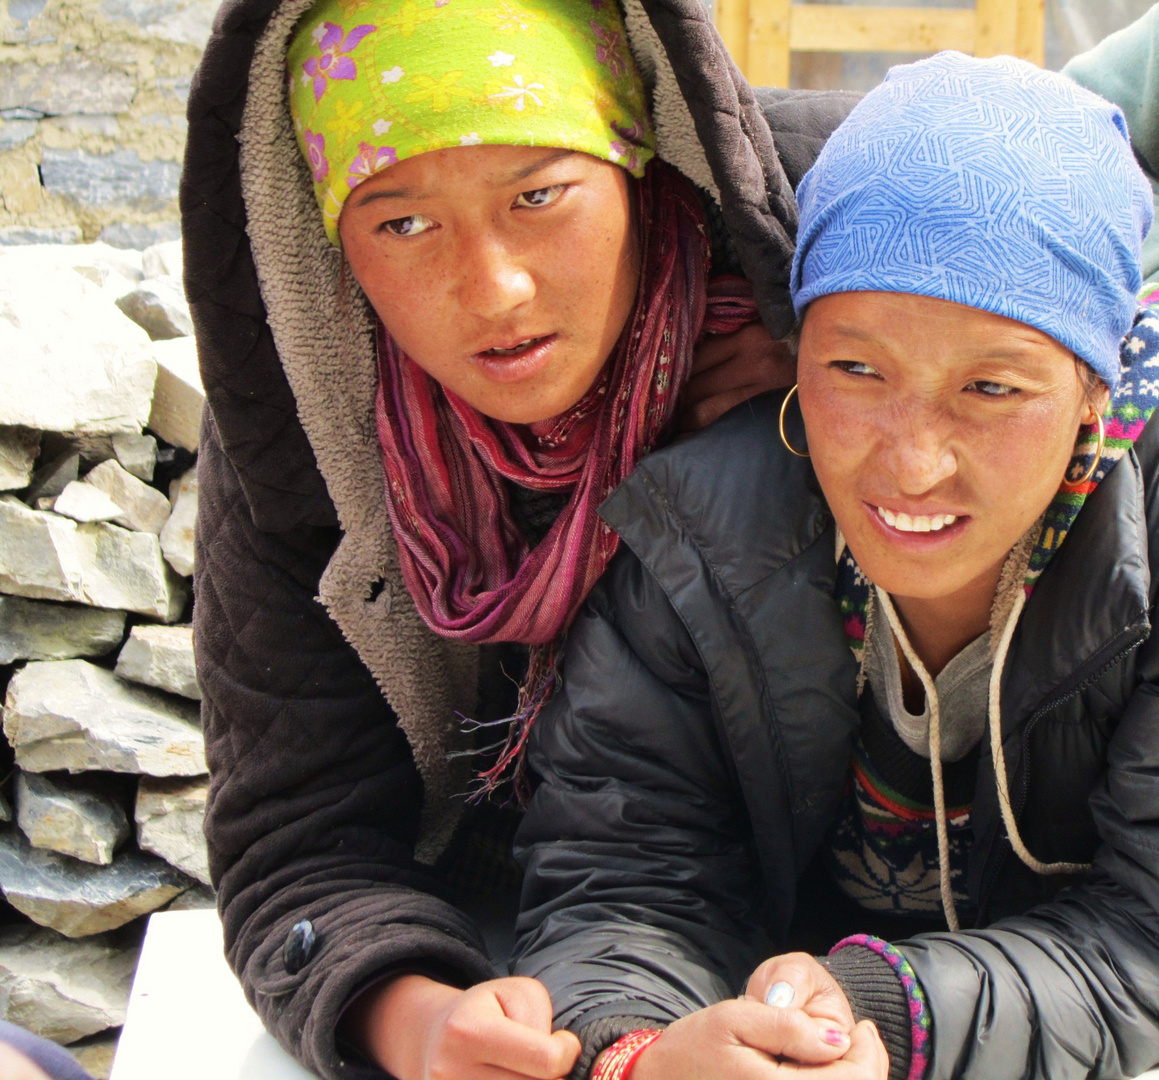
[[918, 453], [493, 279]]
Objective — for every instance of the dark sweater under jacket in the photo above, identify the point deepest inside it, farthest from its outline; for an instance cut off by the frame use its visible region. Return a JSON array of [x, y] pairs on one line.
[[698, 751], [329, 709]]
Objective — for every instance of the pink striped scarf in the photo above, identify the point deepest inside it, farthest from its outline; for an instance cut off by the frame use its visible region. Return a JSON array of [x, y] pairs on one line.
[[471, 573]]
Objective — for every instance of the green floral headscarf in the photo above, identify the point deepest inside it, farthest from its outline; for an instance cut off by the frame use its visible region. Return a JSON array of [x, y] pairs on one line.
[[373, 82]]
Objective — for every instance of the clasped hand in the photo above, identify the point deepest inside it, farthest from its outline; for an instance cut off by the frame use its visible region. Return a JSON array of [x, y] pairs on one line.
[[748, 1039], [419, 1029]]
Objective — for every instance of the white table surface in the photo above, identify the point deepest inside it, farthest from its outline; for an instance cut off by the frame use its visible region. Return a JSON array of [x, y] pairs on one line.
[[188, 1019]]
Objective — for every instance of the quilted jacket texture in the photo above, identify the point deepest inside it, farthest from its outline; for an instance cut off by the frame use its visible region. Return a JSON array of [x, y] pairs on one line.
[[329, 709], [698, 750]]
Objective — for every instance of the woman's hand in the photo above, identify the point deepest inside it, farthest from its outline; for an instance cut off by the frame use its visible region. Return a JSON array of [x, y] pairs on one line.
[[747, 1040], [730, 368], [804, 984], [419, 1029]]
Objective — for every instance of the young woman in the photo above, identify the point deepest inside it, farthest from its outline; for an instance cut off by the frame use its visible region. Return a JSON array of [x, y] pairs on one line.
[[448, 264], [887, 680]]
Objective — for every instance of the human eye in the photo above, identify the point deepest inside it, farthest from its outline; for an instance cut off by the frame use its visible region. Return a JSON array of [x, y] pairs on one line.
[[538, 197], [856, 367], [988, 388], [411, 225]]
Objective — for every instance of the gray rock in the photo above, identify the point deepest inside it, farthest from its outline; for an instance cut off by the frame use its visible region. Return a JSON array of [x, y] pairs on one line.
[[198, 898], [143, 508], [95, 1054], [74, 85], [54, 476], [24, 11], [5, 808], [159, 308], [14, 133], [170, 817], [70, 714], [66, 818], [93, 449], [176, 88], [160, 656], [39, 556], [19, 449], [177, 535], [24, 235], [163, 260], [185, 21], [60, 989], [72, 361], [84, 503], [35, 630], [48, 557], [98, 124], [76, 899], [136, 236], [137, 454], [178, 397], [106, 179]]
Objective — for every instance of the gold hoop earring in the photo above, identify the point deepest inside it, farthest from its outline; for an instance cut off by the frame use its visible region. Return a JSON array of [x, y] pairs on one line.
[[1085, 478], [781, 424]]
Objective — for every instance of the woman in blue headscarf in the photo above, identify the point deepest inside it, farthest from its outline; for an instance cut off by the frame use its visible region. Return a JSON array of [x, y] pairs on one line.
[[875, 663]]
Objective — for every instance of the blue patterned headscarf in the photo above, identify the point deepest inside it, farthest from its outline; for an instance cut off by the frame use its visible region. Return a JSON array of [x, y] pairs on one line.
[[990, 183]]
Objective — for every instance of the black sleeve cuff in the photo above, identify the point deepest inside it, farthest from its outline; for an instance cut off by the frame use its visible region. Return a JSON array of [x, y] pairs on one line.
[[597, 1036], [875, 993]]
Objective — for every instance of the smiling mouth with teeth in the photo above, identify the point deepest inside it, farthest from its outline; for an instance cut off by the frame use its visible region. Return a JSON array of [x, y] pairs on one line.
[[514, 348], [916, 523]]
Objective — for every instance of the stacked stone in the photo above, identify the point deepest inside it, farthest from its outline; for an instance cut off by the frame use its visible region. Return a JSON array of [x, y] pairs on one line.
[[103, 759]]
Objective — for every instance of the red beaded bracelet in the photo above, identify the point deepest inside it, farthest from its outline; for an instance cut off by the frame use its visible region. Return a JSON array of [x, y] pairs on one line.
[[616, 1062]]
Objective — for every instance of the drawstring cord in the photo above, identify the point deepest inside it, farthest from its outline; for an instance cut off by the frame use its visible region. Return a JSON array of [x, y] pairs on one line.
[[919, 669], [997, 753], [999, 756]]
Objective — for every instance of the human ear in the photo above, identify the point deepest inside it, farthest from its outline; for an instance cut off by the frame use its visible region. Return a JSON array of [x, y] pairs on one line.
[[1096, 393]]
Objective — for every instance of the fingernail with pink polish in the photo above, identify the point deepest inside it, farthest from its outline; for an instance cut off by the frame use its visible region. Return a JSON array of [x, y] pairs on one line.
[[834, 1037]]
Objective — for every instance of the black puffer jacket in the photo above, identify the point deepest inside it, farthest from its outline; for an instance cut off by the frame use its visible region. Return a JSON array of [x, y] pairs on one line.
[[329, 708], [698, 750]]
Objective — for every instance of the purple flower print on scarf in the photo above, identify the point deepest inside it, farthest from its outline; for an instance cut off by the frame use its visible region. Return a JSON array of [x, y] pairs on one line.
[[371, 159], [610, 49], [332, 61], [627, 147], [316, 155]]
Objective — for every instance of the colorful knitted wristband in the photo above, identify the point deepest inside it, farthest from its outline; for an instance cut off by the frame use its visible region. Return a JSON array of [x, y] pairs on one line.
[[616, 1062], [918, 1009]]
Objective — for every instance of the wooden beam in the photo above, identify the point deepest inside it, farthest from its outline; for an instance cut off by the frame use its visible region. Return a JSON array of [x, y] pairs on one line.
[[1032, 31], [996, 27], [732, 20], [835, 28], [768, 44]]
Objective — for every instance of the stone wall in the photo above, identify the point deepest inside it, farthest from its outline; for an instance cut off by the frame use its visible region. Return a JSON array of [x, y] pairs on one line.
[[102, 760], [92, 117]]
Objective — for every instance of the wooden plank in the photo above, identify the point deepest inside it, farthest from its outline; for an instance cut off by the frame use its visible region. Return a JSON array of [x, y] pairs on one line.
[[996, 27], [768, 45], [732, 20], [1032, 31], [835, 28]]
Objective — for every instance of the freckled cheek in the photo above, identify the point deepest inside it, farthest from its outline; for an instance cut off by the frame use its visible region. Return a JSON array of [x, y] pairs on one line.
[[842, 439]]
